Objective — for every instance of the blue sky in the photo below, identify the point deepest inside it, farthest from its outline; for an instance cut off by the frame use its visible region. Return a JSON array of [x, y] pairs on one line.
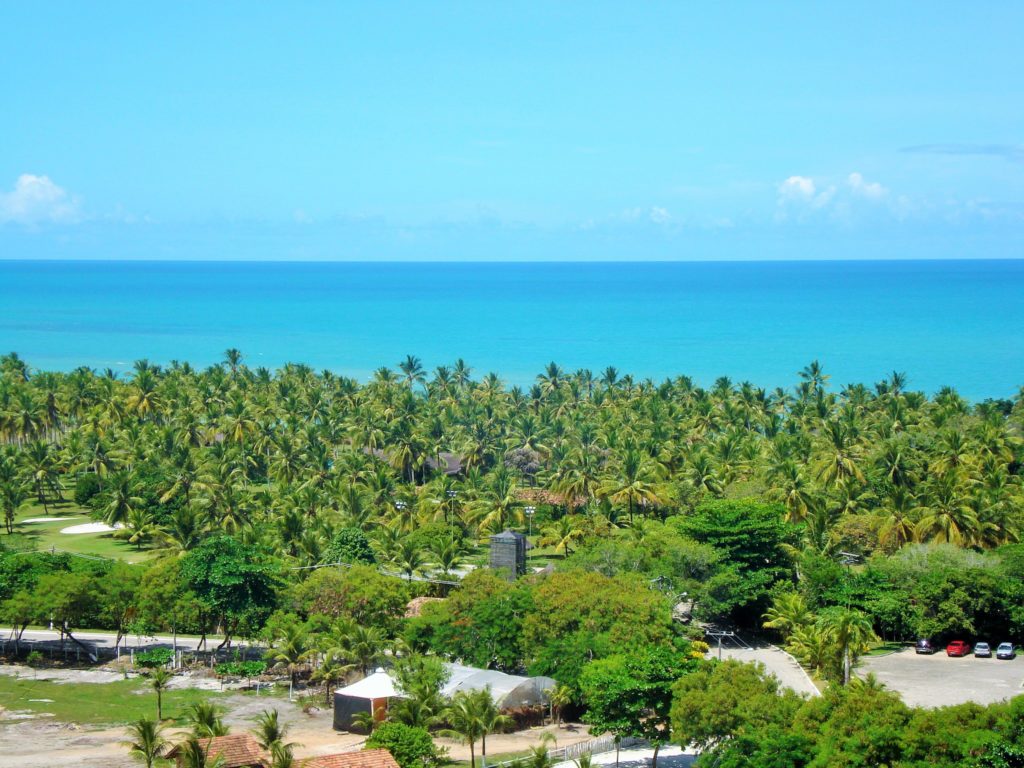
[[398, 131]]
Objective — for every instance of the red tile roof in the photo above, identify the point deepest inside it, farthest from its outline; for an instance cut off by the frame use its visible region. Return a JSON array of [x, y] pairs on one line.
[[367, 758], [238, 751]]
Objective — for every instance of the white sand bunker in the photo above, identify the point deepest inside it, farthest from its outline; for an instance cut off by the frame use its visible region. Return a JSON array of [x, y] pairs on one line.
[[91, 528], [50, 519]]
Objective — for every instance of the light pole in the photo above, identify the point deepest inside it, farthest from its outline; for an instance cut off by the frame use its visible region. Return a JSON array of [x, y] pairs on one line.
[[451, 493], [529, 511]]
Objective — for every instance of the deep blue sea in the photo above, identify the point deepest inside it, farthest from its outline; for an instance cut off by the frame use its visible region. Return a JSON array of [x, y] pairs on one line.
[[942, 322]]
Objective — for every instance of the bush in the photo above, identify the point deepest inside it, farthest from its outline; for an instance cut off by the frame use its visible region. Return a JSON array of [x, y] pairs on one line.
[[411, 747], [154, 658], [349, 545], [87, 487], [241, 668]]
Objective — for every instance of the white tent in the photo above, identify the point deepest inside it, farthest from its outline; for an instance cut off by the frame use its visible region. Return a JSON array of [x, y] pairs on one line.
[[372, 695], [379, 685]]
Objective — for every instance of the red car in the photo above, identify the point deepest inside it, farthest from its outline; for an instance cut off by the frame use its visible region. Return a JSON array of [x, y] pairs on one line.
[[958, 648]]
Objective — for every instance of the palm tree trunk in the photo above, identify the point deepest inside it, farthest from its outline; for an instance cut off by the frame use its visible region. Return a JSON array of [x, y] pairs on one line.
[[654, 760]]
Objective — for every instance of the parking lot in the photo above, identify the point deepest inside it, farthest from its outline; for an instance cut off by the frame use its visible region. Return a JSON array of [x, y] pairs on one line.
[[938, 681]]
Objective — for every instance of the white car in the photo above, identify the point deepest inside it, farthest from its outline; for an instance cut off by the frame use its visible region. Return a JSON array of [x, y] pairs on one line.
[[1005, 651]]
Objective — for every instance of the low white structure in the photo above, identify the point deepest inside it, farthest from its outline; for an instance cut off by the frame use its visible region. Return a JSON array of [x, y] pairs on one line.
[[508, 690], [374, 692]]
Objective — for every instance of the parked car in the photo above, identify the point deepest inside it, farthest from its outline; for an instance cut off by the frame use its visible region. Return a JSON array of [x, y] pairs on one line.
[[982, 651], [1006, 651], [958, 648], [924, 646]]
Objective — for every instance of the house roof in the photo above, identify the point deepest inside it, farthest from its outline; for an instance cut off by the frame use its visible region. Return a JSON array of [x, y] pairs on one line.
[[367, 758], [237, 751]]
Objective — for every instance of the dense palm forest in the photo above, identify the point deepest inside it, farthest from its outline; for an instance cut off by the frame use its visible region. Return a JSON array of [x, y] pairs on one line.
[[288, 458], [826, 517]]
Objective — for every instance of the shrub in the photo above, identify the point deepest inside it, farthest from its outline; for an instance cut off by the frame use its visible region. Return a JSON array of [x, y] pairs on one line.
[[156, 657], [87, 487], [241, 668], [411, 747], [349, 545]]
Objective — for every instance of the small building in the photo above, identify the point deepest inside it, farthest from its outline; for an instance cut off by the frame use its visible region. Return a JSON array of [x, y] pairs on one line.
[[371, 694], [367, 758], [235, 751], [374, 693], [508, 554]]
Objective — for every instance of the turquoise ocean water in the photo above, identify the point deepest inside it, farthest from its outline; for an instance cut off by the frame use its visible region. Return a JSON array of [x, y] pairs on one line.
[[943, 322]]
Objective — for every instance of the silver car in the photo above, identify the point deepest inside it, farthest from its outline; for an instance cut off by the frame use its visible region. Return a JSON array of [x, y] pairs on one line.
[[982, 651], [1005, 651]]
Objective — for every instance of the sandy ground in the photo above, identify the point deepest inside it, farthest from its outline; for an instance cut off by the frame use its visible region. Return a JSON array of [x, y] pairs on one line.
[[42, 743], [520, 741], [50, 519], [91, 528]]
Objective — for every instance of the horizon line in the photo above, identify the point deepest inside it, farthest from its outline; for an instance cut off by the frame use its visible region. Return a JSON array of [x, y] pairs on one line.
[[478, 262]]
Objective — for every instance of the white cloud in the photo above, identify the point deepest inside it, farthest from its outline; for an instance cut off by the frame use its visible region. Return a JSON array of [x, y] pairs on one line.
[[802, 197], [869, 190], [800, 194], [35, 200], [797, 187], [660, 215]]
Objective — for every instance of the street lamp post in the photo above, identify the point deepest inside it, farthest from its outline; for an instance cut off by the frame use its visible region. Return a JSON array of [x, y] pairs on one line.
[[450, 512], [530, 510]]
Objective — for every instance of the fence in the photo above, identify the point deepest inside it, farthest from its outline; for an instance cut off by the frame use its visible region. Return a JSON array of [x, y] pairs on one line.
[[575, 751]]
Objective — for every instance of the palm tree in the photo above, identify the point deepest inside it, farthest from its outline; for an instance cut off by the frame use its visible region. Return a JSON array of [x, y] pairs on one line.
[[788, 613], [292, 650], [332, 669], [850, 631], [412, 367], [562, 534], [192, 754], [560, 697], [270, 733], [160, 679], [122, 499], [410, 557], [463, 716], [490, 717], [204, 719], [365, 645], [13, 496], [282, 756], [146, 741], [269, 730], [633, 482]]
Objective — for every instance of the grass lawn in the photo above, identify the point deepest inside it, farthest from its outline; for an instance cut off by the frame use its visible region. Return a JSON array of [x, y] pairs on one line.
[[94, 703], [884, 649], [45, 535]]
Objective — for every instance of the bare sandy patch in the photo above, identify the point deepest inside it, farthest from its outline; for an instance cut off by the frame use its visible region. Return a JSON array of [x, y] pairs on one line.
[[91, 528]]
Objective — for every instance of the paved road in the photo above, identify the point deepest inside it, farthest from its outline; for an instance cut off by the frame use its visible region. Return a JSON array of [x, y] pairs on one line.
[[938, 681], [776, 661]]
